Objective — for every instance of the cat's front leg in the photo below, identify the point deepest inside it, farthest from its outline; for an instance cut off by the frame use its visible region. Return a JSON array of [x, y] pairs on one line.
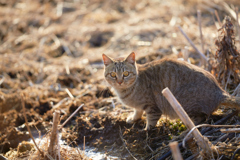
[[135, 116], [153, 114]]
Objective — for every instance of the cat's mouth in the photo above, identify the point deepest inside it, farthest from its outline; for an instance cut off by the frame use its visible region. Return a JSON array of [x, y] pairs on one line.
[[120, 84]]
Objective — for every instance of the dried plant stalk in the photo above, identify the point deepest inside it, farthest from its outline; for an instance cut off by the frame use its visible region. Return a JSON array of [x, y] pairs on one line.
[[201, 35], [192, 44], [28, 128], [216, 14], [71, 116], [230, 130], [227, 66], [54, 135], [200, 29]]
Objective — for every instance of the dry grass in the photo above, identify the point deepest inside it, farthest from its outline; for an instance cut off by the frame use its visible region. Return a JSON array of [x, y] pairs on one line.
[[48, 47]]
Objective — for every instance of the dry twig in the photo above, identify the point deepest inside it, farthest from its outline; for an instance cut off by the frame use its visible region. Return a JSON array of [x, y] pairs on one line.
[[206, 125], [230, 130], [71, 116], [125, 143], [224, 119], [201, 35], [192, 44], [26, 121], [175, 151], [235, 152], [2, 80], [69, 93], [202, 142], [163, 157], [84, 143], [216, 14], [229, 10], [236, 91], [200, 29]]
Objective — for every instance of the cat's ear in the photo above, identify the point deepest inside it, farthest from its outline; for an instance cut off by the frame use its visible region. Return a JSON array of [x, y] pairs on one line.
[[106, 60], [131, 58]]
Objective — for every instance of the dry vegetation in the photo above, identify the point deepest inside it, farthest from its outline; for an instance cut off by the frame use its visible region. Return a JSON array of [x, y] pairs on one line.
[[50, 52]]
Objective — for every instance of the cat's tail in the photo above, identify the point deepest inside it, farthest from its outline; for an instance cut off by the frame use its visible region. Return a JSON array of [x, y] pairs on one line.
[[231, 102]]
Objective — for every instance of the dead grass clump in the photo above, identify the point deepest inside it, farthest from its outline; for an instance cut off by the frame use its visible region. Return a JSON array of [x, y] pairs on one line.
[[27, 150], [48, 148]]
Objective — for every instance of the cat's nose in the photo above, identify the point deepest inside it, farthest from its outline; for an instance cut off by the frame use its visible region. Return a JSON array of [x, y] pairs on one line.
[[119, 82]]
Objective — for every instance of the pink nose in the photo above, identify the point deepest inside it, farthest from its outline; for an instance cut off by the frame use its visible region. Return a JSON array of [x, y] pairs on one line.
[[119, 82]]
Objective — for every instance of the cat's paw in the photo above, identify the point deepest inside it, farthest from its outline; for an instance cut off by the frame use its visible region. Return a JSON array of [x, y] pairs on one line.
[[132, 119], [148, 127]]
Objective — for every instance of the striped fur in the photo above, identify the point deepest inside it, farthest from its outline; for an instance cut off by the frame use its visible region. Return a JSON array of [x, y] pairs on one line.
[[196, 89]]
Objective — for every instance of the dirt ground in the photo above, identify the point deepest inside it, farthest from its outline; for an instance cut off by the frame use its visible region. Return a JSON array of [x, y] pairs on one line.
[[50, 58]]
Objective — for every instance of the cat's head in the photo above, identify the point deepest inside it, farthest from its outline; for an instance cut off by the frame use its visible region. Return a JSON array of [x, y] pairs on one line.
[[120, 73]]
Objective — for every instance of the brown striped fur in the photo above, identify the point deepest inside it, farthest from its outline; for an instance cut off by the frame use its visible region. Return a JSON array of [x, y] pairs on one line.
[[196, 89]]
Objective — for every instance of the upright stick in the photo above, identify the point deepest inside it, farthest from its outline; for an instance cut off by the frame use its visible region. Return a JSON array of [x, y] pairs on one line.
[[175, 150], [53, 138], [202, 142]]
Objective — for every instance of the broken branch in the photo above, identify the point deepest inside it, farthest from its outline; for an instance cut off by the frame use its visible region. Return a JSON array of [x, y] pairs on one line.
[[202, 142]]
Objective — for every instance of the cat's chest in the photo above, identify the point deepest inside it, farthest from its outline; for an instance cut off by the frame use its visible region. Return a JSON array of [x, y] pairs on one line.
[[132, 97]]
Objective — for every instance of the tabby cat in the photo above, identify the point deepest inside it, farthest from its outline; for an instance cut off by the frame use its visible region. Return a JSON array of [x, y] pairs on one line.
[[140, 87]]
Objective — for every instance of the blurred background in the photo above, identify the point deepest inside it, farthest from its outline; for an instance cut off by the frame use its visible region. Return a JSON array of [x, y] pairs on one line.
[[55, 34], [48, 35]]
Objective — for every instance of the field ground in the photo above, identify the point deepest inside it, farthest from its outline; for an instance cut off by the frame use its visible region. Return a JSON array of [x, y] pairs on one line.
[[49, 48]]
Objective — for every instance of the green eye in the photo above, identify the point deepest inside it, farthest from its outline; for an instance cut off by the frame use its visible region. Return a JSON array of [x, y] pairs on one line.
[[125, 74], [113, 74]]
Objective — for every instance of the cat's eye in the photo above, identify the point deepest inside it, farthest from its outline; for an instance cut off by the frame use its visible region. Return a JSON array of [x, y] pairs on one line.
[[125, 74], [113, 74]]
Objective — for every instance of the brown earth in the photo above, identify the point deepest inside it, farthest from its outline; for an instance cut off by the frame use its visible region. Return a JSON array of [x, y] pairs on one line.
[[48, 47]]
